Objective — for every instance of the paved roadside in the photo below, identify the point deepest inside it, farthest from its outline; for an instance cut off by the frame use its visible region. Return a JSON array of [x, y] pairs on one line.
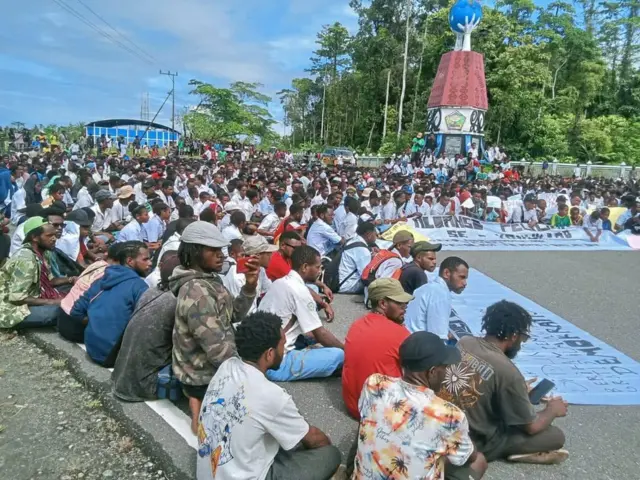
[[52, 427]]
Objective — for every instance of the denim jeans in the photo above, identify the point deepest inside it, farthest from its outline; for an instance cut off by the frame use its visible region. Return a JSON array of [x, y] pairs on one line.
[[40, 316], [310, 362]]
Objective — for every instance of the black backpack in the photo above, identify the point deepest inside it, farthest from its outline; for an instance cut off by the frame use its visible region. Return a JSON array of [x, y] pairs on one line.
[[331, 270]]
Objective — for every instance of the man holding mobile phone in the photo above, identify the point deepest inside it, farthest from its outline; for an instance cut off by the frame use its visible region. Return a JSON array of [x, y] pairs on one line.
[[494, 395]]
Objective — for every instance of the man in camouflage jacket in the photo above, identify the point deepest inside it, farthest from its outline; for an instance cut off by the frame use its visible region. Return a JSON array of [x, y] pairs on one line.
[[203, 334]]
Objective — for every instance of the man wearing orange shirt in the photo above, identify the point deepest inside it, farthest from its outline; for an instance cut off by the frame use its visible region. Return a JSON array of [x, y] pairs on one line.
[[373, 341]]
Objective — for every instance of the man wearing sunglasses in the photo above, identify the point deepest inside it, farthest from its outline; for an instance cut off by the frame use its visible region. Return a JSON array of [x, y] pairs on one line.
[[494, 395]]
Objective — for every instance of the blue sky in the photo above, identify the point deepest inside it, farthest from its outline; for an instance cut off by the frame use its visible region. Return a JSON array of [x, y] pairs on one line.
[[56, 69]]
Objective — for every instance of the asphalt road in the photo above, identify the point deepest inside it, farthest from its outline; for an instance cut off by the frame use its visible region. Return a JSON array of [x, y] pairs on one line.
[[596, 291]]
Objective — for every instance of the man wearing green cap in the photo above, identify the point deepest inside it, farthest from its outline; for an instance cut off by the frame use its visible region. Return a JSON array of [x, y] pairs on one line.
[[372, 343], [28, 294], [414, 274]]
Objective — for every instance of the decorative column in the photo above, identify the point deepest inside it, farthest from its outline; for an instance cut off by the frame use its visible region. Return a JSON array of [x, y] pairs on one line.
[[458, 100]]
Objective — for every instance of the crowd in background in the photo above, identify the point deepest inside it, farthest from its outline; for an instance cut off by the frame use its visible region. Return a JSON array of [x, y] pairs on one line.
[[214, 276]]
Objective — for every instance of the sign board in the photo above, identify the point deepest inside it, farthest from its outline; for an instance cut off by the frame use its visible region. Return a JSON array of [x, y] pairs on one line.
[[585, 370], [466, 233]]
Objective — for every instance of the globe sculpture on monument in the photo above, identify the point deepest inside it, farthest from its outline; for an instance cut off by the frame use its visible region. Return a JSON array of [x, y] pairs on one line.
[[458, 99]]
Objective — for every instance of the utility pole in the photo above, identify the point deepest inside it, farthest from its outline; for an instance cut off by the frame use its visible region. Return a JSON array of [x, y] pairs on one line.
[[173, 95]]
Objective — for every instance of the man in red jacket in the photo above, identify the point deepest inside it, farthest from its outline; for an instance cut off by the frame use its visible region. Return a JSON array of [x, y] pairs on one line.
[[373, 341]]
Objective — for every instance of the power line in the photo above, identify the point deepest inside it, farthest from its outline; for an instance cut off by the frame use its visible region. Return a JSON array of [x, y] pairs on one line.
[[173, 91], [93, 26], [123, 36]]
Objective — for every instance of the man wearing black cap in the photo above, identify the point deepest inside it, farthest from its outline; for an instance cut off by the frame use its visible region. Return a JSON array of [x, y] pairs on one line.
[[405, 425], [414, 274]]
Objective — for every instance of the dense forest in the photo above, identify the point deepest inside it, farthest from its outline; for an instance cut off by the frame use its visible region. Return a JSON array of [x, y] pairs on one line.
[[563, 80]]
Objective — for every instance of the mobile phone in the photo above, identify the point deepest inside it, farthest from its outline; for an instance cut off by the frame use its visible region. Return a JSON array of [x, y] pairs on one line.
[[241, 267], [540, 391]]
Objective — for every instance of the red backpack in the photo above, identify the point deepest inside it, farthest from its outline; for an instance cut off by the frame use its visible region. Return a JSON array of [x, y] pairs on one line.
[[369, 272]]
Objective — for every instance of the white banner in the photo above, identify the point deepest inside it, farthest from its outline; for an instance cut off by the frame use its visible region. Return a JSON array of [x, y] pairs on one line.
[[585, 370], [466, 233]]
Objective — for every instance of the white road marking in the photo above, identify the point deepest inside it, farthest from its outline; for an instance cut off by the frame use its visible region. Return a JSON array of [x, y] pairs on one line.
[[175, 418]]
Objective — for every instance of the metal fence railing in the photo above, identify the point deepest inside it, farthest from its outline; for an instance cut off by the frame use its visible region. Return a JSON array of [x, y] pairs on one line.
[[535, 169]]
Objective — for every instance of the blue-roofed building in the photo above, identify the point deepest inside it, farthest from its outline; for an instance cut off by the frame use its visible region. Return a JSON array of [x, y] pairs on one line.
[[150, 133]]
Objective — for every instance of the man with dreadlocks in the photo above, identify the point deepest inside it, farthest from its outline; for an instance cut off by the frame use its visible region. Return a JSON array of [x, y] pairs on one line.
[[203, 335], [494, 395]]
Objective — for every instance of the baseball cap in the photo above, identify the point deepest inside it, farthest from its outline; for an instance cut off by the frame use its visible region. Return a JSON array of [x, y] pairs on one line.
[[402, 236], [424, 246], [366, 192], [421, 351], [255, 244], [125, 192], [103, 195], [80, 217], [33, 223], [204, 233], [388, 288]]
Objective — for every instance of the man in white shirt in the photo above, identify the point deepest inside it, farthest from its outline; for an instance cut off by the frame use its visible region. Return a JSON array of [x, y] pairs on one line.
[[237, 222], [270, 223], [347, 228], [442, 207], [102, 221], [100, 175], [431, 308], [254, 245], [166, 194], [473, 151], [321, 235], [525, 214], [355, 257], [290, 299], [120, 211], [402, 243]]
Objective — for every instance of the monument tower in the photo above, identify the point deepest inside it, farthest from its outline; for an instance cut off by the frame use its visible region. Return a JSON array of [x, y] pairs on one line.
[[458, 100]]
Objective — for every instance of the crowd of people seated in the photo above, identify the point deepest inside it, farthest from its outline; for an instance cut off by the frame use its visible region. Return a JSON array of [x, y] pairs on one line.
[[214, 278]]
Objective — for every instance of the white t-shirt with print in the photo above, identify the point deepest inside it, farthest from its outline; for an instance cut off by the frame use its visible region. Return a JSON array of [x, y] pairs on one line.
[[244, 420], [289, 297]]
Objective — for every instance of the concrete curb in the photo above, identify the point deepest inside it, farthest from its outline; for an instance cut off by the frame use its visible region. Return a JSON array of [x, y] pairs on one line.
[[153, 435]]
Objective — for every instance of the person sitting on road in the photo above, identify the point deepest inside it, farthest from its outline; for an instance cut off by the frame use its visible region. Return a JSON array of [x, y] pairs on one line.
[[133, 231], [280, 263], [431, 308], [203, 335], [110, 301], [253, 246], [28, 293], [494, 395], [414, 274], [146, 345], [356, 255], [290, 299], [321, 235], [70, 327], [403, 420], [401, 248], [373, 341], [248, 426], [271, 221]]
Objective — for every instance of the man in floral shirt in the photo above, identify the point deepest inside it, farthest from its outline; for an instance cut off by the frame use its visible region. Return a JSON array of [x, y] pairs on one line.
[[406, 431]]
